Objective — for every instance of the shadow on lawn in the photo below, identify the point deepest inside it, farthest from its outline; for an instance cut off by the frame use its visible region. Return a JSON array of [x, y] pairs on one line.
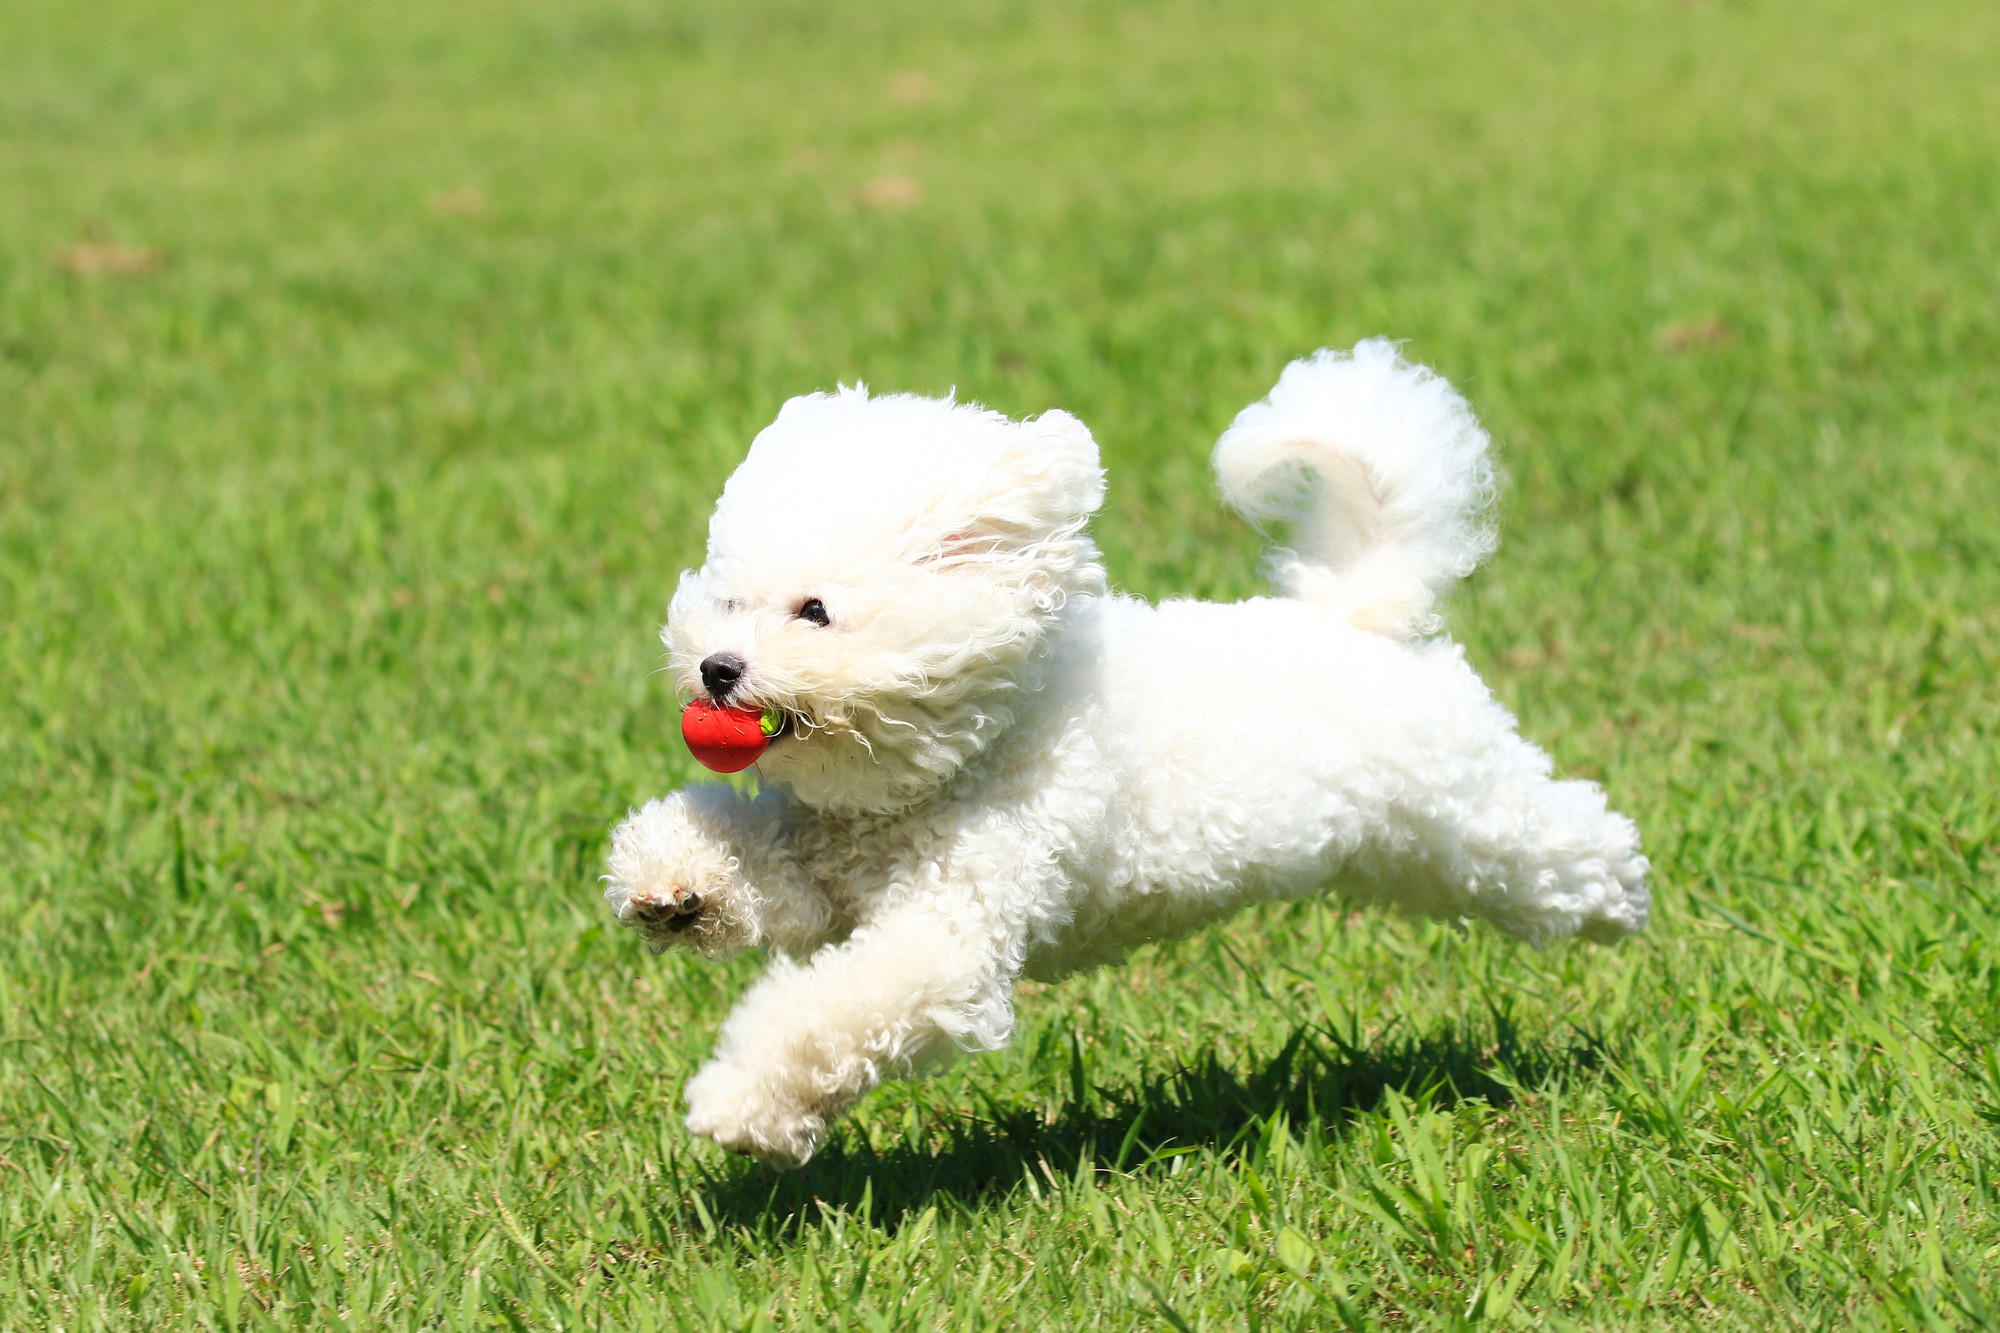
[[1317, 1075]]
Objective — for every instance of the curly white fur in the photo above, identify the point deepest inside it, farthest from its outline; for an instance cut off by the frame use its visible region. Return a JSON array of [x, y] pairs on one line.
[[995, 769]]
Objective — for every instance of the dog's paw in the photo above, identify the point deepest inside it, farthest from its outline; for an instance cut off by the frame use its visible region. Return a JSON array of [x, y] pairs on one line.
[[1624, 904], [675, 879], [662, 914], [749, 1114]]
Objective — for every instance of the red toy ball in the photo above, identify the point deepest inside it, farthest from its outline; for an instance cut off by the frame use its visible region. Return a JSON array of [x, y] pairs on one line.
[[728, 740]]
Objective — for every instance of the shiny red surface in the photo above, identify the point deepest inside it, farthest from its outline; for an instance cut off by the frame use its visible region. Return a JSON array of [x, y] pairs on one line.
[[727, 740]]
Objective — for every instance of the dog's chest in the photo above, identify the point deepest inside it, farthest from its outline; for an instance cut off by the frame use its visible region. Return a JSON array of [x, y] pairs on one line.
[[854, 860]]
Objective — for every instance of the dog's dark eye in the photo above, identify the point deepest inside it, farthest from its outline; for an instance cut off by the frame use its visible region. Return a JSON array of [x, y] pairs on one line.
[[815, 611]]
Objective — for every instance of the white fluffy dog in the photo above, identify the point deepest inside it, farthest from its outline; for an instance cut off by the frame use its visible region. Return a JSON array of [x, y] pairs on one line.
[[992, 767]]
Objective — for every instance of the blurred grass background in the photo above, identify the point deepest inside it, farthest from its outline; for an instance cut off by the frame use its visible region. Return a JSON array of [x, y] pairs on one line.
[[366, 374]]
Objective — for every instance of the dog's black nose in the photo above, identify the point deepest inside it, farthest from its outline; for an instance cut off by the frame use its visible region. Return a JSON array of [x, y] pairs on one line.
[[719, 674]]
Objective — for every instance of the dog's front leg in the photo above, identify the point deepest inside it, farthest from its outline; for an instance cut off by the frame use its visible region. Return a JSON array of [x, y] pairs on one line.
[[808, 1041], [712, 869]]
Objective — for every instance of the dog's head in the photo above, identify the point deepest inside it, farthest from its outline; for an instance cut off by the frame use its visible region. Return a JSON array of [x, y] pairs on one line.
[[886, 571]]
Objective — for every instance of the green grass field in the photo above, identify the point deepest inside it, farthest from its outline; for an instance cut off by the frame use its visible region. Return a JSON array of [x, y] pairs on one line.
[[367, 371]]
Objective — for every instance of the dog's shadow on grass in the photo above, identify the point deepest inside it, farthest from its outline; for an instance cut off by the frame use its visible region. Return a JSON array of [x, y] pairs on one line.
[[1316, 1076]]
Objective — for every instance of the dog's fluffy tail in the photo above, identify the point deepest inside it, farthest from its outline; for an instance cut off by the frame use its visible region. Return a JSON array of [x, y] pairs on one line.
[[1384, 474]]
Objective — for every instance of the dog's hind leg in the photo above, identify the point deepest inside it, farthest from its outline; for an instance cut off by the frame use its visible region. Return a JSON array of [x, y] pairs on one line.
[[1538, 858], [1573, 867]]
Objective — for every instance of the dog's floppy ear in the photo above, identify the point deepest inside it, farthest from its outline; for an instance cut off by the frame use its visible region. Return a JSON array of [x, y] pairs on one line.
[[1067, 443], [965, 544], [1045, 483], [1024, 512]]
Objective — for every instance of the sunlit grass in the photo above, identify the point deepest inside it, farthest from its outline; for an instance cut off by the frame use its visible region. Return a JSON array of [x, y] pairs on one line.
[[366, 374]]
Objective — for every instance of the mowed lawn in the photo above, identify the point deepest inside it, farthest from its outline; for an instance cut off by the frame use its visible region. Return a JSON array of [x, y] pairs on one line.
[[367, 371]]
